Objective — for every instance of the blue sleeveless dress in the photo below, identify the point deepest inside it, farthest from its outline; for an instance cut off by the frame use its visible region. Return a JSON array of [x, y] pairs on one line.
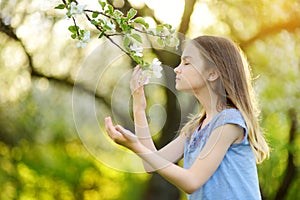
[[236, 178]]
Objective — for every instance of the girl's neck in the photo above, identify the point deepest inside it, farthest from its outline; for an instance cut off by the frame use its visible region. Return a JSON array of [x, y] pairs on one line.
[[209, 102]]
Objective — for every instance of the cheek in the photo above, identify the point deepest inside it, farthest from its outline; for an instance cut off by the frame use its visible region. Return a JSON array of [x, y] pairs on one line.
[[193, 80]]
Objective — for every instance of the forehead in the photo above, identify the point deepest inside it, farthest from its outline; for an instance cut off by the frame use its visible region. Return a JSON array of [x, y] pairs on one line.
[[191, 52]]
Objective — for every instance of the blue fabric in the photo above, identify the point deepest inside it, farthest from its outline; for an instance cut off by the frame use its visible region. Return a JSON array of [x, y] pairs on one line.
[[236, 178]]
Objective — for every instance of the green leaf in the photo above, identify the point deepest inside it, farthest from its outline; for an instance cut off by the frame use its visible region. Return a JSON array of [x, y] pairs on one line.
[[125, 27], [106, 27], [81, 32], [101, 35], [159, 28], [73, 29], [110, 9], [69, 14], [126, 43], [119, 20], [60, 6], [144, 65], [137, 37], [94, 22], [168, 40], [131, 13], [142, 21], [177, 42], [102, 3], [168, 26], [73, 36], [100, 21], [95, 14], [118, 13], [160, 41], [151, 32], [137, 59]]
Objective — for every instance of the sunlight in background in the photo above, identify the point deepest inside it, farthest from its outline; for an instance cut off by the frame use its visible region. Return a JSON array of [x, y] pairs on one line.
[[36, 28], [201, 18], [36, 114], [169, 11]]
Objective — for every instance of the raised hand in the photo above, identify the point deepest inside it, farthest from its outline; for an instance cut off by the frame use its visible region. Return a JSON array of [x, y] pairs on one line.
[[138, 80], [121, 135]]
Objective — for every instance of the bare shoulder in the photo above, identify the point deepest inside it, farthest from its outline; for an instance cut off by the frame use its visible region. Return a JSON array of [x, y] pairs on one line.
[[232, 133]]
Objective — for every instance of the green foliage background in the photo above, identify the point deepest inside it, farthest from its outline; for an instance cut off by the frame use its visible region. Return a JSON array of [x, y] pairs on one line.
[[41, 155]]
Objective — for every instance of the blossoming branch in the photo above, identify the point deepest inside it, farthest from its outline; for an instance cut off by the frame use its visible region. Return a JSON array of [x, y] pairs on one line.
[[111, 22]]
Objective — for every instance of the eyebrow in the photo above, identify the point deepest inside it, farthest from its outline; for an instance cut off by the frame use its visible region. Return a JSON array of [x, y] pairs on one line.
[[186, 57]]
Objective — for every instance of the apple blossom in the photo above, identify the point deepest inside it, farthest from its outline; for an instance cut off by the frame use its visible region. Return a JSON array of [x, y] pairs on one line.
[[156, 68], [138, 51], [76, 8], [86, 38], [111, 22]]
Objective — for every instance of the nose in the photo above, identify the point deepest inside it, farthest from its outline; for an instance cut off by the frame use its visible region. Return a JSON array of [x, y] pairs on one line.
[[177, 70]]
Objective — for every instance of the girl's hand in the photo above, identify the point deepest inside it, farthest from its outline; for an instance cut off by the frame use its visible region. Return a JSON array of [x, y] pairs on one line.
[[121, 135], [137, 90]]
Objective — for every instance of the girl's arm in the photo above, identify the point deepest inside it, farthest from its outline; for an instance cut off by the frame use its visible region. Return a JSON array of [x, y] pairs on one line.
[[189, 180], [171, 152]]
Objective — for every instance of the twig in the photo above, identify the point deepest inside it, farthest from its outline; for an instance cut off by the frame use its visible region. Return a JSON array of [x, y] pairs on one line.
[[74, 21], [136, 29], [100, 13], [108, 37]]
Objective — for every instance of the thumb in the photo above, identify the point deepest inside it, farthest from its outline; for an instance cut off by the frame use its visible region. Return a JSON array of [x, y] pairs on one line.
[[125, 132]]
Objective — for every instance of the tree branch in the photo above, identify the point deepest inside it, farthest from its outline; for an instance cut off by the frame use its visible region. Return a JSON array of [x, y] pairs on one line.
[[186, 17], [290, 25], [9, 31], [67, 81], [291, 169]]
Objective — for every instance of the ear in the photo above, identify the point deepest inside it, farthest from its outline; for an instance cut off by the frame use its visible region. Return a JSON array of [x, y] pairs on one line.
[[213, 75]]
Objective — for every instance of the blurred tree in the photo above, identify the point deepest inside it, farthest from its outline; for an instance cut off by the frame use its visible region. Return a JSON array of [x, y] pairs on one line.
[[38, 67]]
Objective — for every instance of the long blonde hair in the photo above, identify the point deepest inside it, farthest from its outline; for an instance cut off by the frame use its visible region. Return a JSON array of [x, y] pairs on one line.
[[234, 89]]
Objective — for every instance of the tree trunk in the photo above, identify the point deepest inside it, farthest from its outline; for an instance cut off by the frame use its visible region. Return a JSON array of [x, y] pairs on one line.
[[159, 188], [291, 169]]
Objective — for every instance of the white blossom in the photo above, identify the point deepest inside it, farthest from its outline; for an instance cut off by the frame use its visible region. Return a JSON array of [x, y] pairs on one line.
[[145, 77], [138, 50], [86, 38], [156, 68], [76, 9], [111, 25], [81, 44]]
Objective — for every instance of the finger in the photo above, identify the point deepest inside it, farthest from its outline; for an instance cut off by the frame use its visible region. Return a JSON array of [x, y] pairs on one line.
[[114, 134], [134, 75], [138, 74], [108, 123], [123, 130], [126, 133], [109, 126], [136, 80], [135, 71], [144, 79]]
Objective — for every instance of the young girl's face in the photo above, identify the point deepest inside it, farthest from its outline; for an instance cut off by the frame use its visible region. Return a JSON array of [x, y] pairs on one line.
[[192, 73]]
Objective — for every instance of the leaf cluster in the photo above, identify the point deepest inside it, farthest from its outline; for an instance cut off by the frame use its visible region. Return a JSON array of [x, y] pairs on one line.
[[110, 22]]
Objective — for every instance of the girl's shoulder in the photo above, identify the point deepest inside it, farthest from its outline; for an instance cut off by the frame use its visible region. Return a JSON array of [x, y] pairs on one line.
[[229, 116]]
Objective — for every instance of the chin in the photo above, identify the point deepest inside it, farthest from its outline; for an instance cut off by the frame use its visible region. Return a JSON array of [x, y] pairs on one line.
[[178, 88]]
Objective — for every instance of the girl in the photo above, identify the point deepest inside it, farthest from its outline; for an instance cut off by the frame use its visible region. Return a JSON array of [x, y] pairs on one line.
[[220, 145]]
